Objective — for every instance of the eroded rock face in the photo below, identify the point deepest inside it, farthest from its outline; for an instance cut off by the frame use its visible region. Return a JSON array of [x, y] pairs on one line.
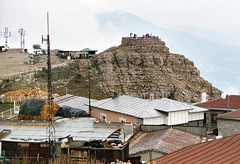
[[144, 67]]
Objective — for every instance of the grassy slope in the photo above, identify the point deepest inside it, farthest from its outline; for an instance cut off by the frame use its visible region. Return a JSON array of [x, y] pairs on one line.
[[72, 77], [75, 80], [5, 106]]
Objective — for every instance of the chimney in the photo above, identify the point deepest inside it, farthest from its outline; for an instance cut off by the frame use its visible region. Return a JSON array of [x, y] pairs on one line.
[[204, 97], [115, 95]]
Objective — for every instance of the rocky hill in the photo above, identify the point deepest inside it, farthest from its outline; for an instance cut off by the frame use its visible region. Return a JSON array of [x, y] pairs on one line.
[[145, 67]]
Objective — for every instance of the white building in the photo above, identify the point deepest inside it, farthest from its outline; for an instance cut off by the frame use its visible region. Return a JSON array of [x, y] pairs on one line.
[[148, 112]]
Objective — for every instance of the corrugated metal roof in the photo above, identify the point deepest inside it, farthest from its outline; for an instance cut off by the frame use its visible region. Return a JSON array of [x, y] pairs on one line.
[[168, 105], [143, 108], [164, 141], [74, 102], [81, 129], [197, 109], [129, 105], [225, 150]]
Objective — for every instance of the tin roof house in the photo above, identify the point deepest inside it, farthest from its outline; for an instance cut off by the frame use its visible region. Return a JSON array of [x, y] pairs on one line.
[[148, 112], [155, 144], [72, 136]]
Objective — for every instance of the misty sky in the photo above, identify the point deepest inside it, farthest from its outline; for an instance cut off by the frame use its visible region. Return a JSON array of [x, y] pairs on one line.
[[74, 26]]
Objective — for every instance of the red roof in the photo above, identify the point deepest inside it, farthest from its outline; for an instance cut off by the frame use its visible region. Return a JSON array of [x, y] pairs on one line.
[[234, 103], [225, 150], [230, 116]]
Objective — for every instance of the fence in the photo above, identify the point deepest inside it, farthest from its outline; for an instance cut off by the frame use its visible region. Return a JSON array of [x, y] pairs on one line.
[[11, 99], [10, 113]]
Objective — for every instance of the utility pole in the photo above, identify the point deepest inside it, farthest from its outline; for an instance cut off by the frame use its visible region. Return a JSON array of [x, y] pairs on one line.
[[51, 128], [89, 85], [6, 35], [22, 40]]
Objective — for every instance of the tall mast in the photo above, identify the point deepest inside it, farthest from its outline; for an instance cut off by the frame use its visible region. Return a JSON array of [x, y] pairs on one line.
[[51, 128]]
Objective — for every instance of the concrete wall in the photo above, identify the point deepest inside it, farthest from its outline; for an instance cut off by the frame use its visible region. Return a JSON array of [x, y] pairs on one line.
[[228, 127], [113, 116], [202, 131]]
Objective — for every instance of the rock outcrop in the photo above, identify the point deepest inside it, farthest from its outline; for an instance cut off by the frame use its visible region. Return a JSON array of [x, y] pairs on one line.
[[145, 67]]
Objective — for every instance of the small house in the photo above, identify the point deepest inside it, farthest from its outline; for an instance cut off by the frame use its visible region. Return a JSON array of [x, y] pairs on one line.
[[218, 107], [148, 112], [87, 53], [228, 124], [158, 143]]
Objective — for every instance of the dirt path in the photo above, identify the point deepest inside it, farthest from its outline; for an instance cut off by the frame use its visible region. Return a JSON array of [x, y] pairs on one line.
[[14, 63]]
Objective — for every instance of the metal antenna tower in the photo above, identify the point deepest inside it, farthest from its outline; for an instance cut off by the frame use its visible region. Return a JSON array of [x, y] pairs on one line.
[[51, 128], [22, 40], [6, 35]]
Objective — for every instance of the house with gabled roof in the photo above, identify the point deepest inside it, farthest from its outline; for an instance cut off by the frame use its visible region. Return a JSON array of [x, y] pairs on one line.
[[88, 53], [224, 150], [148, 112], [151, 145], [218, 107], [228, 124]]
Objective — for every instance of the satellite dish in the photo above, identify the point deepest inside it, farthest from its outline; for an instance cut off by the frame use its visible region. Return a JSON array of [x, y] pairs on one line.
[[224, 95]]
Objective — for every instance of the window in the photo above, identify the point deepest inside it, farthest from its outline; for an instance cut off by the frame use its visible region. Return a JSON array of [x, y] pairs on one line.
[[103, 117], [123, 120], [205, 119], [213, 119]]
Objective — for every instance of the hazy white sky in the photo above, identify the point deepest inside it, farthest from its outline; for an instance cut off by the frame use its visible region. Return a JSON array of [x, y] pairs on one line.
[[74, 26]]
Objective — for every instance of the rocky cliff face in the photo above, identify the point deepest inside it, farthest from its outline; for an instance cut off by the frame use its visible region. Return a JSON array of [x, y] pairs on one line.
[[145, 67]]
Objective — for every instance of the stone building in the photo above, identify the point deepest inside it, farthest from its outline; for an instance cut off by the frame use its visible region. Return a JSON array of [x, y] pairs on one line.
[[218, 107], [228, 124]]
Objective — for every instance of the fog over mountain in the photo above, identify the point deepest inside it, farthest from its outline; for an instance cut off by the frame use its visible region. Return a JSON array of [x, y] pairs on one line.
[[204, 31], [217, 62]]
